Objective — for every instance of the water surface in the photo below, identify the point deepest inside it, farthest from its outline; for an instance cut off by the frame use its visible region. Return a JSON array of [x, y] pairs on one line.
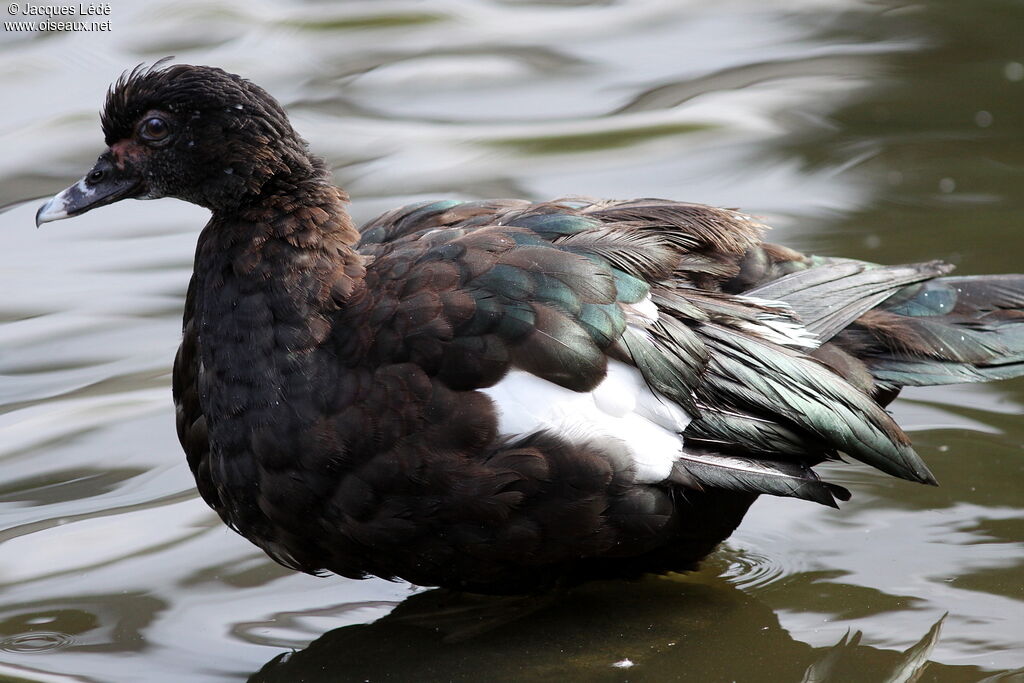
[[887, 131]]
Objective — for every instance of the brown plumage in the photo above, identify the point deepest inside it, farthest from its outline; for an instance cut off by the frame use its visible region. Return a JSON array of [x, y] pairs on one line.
[[428, 397]]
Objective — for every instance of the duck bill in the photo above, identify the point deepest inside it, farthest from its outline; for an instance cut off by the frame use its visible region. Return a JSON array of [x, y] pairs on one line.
[[104, 184]]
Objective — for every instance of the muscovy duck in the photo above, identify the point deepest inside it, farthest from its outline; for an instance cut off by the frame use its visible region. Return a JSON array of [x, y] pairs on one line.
[[501, 396]]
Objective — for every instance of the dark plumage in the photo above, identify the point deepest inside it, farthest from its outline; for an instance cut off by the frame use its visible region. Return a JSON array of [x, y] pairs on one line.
[[499, 396]]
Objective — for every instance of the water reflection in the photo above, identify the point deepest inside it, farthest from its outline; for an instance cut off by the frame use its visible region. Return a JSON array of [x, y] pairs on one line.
[[655, 629]]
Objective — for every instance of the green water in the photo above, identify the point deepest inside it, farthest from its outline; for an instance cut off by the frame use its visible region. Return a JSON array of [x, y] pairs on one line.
[[888, 131]]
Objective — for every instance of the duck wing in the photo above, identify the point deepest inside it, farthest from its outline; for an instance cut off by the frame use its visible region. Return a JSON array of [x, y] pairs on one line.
[[947, 330], [886, 327], [486, 295], [835, 292]]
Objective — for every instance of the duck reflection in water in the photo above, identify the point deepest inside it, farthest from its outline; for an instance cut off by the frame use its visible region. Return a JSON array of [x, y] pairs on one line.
[[658, 628]]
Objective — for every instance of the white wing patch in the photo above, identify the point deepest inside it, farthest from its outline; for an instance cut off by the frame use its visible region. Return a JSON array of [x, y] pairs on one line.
[[622, 407]]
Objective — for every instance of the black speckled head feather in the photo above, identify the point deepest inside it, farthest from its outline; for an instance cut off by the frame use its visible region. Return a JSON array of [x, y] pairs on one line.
[[229, 140], [182, 89]]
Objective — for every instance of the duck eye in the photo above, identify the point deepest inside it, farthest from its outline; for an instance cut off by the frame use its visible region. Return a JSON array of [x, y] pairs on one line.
[[154, 129]]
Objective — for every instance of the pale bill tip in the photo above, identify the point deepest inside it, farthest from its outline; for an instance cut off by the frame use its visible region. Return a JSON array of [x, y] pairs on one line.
[[57, 207], [53, 210]]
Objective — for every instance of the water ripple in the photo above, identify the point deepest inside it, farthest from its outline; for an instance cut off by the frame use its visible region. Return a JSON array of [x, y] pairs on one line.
[[36, 642], [757, 566]]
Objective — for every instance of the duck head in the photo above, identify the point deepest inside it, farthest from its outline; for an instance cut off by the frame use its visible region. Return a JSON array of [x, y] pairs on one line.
[[195, 133]]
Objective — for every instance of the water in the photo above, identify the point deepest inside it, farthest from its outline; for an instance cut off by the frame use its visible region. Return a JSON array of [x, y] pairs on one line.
[[878, 130]]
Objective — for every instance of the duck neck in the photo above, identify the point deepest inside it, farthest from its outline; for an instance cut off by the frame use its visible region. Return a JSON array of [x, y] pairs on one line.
[[293, 249], [269, 280]]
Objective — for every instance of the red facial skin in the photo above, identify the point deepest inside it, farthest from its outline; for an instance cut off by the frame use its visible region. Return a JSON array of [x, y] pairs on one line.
[[126, 152]]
